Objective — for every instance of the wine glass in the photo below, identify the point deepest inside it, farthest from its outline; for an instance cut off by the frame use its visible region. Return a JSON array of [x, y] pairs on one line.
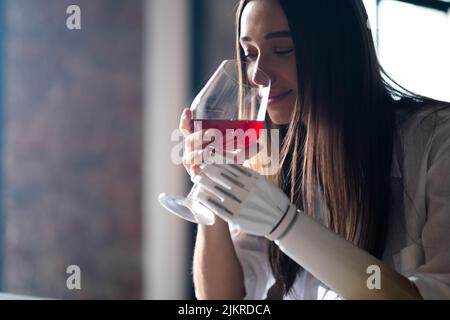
[[233, 103]]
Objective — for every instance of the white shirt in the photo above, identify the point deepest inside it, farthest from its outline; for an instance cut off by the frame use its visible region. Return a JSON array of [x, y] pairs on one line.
[[418, 240]]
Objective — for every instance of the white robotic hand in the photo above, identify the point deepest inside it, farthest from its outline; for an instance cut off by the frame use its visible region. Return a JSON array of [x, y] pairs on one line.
[[243, 197]]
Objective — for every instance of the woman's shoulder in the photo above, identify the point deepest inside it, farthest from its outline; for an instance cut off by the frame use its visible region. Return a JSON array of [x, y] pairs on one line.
[[421, 133], [415, 111], [422, 121]]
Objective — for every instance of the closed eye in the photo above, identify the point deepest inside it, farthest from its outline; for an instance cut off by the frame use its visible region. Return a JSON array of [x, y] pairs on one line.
[[284, 52]]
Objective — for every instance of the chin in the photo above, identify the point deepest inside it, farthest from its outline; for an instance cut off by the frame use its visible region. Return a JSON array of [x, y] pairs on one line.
[[279, 122], [279, 119], [281, 114]]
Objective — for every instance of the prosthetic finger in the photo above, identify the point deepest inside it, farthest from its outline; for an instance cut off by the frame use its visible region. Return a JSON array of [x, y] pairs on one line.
[[242, 171], [230, 177], [215, 205], [210, 185], [213, 171]]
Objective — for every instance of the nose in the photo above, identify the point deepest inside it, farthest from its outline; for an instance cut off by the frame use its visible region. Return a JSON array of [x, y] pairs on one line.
[[260, 74]]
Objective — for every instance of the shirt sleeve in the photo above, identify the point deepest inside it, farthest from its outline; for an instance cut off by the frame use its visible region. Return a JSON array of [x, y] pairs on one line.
[[252, 252], [433, 277]]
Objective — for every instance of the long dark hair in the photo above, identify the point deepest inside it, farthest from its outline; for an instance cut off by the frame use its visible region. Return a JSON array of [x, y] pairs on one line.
[[340, 137]]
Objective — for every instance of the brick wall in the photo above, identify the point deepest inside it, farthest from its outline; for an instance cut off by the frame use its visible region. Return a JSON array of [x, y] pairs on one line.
[[73, 149]]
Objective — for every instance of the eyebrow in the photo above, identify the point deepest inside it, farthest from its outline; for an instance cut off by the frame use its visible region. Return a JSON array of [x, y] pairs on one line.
[[271, 35]]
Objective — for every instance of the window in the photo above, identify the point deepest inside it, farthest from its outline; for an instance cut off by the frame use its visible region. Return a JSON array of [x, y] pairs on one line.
[[414, 44]]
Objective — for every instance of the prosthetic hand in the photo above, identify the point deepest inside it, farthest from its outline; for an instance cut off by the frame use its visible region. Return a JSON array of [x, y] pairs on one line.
[[243, 197], [247, 199]]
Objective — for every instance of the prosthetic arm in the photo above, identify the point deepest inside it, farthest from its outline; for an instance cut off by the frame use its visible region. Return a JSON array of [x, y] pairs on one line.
[[247, 199]]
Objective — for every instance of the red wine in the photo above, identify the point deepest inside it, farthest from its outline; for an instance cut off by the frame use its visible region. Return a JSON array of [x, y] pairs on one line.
[[248, 134]]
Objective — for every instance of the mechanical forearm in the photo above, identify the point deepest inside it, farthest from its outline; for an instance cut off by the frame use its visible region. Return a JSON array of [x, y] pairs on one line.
[[257, 206], [339, 264]]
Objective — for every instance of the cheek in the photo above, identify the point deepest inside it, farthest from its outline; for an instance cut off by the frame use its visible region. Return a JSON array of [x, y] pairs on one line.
[[291, 73]]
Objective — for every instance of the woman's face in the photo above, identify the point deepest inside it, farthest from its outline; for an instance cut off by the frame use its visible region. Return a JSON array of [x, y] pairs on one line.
[[267, 45]]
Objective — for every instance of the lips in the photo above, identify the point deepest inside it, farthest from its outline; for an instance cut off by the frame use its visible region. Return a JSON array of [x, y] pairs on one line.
[[278, 96]]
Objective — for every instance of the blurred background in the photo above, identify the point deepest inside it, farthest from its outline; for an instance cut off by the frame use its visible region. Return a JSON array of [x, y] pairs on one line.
[[86, 118]]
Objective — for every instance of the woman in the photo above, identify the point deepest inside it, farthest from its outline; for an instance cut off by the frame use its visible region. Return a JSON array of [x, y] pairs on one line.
[[367, 160]]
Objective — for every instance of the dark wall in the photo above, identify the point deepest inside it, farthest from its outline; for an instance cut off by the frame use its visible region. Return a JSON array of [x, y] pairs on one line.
[[213, 37], [72, 148]]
